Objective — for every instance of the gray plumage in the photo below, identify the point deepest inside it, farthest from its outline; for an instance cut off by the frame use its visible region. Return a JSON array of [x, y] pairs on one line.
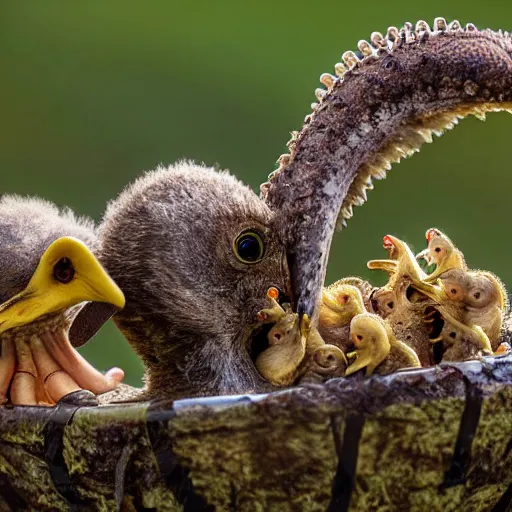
[[27, 227], [190, 303]]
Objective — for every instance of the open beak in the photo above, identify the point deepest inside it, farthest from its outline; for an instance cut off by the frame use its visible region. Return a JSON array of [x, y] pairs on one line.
[[44, 294], [424, 255]]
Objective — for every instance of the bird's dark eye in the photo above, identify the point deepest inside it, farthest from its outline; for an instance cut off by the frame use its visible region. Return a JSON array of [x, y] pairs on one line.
[[63, 271], [437, 249], [249, 247]]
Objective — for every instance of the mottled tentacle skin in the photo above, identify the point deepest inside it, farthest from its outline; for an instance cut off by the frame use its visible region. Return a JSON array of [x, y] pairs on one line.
[[409, 85]]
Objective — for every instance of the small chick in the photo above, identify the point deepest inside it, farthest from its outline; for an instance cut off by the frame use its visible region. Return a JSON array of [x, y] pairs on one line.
[[442, 252], [376, 348], [399, 303], [327, 362], [279, 363], [323, 361], [287, 347], [462, 343], [340, 303], [474, 298], [363, 286], [296, 348], [402, 264], [393, 251]]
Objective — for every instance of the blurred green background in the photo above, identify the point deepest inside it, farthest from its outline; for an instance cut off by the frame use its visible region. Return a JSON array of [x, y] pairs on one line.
[[92, 93]]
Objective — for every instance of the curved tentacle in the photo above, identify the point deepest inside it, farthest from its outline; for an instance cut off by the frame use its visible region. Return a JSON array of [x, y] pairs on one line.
[[409, 85]]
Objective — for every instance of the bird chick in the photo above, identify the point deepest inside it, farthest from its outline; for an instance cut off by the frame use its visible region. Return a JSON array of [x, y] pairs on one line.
[[393, 251], [48, 273], [296, 350], [363, 286], [462, 342], [400, 303], [376, 348], [472, 298], [340, 303], [194, 251], [442, 252], [402, 262], [323, 361], [280, 362], [275, 312]]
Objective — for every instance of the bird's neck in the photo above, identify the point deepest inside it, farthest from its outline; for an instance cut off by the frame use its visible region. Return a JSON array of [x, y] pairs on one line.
[[185, 364], [171, 384]]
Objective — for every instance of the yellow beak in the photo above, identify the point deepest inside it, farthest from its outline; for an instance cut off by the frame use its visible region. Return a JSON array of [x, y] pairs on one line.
[[51, 291]]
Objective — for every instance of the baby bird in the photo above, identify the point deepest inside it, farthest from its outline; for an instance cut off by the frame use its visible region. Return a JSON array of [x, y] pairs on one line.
[[462, 342], [363, 286], [279, 363], [473, 298], [376, 348], [442, 252], [401, 301], [471, 303], [402, 262], [296, 350], [47, 274], [340, 303]]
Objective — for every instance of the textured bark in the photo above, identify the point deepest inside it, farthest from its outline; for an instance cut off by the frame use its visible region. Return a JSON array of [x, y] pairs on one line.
[[438, 438]]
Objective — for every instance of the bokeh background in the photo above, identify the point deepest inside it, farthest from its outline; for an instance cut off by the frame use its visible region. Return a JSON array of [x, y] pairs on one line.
[[94, 92]]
